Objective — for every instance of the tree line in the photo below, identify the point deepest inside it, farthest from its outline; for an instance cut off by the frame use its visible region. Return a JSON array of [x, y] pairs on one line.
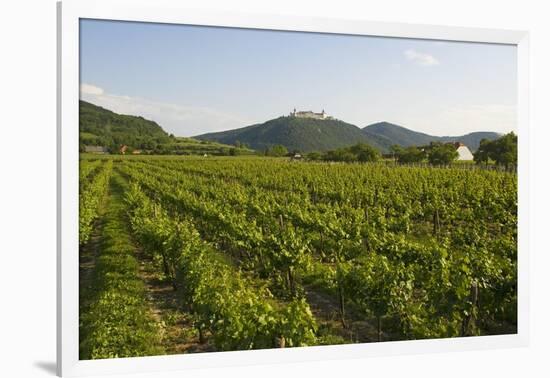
[[360, 152], [501, 151]]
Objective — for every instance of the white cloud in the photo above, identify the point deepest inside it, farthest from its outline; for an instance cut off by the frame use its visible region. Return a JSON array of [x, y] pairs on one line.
[[420, 58], [90, 89], [181, 120]]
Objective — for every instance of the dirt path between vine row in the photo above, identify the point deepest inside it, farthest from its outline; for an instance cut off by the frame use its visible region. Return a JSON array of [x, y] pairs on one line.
[[179, 336], [88, 254], [325, 308], [166, 305]]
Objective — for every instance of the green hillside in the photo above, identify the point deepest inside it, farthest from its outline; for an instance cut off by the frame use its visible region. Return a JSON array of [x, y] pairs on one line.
[[102, 127], [402, 136], [192, 146], [398, 134], [383, 143], [298, 134]]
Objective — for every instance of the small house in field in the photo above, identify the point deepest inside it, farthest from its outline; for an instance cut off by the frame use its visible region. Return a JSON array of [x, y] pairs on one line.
[[95, 149], [122, 149], [296, 156], [136, 152], [464, 152]]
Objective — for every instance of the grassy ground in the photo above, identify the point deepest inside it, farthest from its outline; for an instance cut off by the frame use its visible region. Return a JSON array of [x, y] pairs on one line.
[[127, 308], [116, 320]]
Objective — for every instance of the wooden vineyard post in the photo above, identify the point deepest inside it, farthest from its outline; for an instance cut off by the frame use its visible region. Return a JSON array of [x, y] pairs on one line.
[[469, 322], [437, 225], [379, 320]]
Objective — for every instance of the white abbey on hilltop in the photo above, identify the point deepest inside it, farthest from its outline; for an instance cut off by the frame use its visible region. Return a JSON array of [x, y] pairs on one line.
[[309, 114], [464, 153]]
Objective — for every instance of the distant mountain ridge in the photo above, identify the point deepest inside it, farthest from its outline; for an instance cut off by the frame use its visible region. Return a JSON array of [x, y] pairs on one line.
[[300, 134], [100, 126], [308, 134], [405, 137], [103, 130]]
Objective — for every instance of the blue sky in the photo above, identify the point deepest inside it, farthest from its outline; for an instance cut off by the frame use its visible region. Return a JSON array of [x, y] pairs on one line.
[[193, 79]]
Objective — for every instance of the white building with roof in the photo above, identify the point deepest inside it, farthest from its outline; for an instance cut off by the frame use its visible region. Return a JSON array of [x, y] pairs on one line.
[[309, 114], [464, 153]]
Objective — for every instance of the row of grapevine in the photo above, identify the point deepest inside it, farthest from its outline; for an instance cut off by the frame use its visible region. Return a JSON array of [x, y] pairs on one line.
[[237, 311], [92, 192], [116, 321], [479, 264], [352, 182], [404, 196], [442, 243], [86, 168]]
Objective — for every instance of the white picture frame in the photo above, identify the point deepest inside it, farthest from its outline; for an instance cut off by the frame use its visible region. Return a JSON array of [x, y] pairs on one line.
[[69, 14]]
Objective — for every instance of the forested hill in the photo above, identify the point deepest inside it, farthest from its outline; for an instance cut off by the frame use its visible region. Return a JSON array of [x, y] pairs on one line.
[[405, 137], [298, 134], [102, 127]]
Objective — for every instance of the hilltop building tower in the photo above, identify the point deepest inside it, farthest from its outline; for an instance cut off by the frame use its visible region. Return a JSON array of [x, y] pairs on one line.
[[310, 114]]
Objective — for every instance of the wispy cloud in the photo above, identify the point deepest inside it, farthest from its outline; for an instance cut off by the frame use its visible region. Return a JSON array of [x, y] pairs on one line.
[[89, 89], [420, 58], [181, 120]]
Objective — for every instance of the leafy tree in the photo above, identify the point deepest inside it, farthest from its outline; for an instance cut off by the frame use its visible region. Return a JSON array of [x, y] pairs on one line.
[[100, 126], [395, 150], [442, 154], [410, 154], [503, 151], [277, 150], [149, 145], [482, 155], [314, 156], [364, 152], [341, 154], [359, 152]]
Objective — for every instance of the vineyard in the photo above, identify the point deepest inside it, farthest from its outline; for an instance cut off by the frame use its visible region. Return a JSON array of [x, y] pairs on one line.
[[193, 254]]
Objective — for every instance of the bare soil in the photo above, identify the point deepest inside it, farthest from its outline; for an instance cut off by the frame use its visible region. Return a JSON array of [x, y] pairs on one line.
[[325, 308], [166, 306], [179, 335], [88, 254]]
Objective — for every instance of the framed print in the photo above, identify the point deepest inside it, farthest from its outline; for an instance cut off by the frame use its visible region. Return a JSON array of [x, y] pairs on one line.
[[266, 188]]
